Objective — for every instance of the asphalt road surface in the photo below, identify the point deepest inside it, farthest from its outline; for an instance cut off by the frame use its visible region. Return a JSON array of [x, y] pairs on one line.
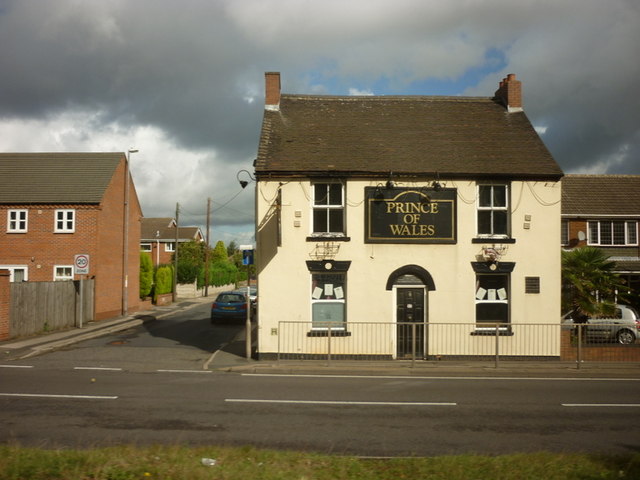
[[148, 386]]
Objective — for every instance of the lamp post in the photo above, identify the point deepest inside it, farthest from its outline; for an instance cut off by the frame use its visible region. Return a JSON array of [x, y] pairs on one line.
[[125, 240]]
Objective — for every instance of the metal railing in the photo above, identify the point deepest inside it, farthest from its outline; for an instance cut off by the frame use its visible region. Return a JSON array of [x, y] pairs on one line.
[[450, 341]]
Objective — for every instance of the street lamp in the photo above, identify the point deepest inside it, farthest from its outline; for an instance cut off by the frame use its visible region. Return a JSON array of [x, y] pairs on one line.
[[244, 183], [125, 240]]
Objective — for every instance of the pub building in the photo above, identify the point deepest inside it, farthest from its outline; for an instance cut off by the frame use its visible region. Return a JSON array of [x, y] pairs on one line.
[[396, 226]]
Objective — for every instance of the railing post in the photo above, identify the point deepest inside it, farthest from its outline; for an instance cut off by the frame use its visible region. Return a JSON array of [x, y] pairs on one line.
[[413, 345], [328, 345], [497, 344], [579, 349], [279, 337]]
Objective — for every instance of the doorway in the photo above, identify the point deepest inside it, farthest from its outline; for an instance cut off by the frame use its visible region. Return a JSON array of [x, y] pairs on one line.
[[411, 322]]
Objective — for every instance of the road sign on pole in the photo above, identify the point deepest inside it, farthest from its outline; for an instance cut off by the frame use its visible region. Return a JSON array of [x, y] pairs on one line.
[[81, 264]]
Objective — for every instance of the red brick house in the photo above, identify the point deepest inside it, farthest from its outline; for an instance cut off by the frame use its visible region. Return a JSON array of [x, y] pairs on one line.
[[158, 238], [54, 206], [604, 211]]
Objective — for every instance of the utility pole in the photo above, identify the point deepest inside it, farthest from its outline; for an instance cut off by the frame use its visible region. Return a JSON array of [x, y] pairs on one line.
[[175, 255], [206, 251]]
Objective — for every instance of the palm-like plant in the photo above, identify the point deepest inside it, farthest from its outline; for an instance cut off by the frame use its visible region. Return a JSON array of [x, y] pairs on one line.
[[590, 286]]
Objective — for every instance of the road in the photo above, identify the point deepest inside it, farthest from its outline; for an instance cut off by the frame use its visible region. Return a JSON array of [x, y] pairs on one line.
[[148, 386]]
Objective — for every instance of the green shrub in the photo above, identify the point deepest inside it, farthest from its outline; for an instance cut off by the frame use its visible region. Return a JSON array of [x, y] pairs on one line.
[[146, 275], [164, 279]]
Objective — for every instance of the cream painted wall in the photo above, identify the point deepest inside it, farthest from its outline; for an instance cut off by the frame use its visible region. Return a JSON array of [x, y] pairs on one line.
[[284, 281]]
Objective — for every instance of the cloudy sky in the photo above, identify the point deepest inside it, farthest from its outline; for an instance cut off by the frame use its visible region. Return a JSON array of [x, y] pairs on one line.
[[182, 81]]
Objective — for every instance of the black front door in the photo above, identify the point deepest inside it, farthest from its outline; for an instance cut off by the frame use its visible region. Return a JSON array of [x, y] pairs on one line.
[[410, 317]]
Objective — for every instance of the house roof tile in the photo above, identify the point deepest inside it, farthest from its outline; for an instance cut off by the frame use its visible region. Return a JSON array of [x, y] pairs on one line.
[[164, 229], [71, 178], [414, 135], [601, 195]]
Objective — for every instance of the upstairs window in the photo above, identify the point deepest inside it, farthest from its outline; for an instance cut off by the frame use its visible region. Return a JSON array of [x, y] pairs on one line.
[[170, 247], [145, 247], [493, 211], [564, 232], [17, 221], [328, 209], [611, 233], [65, 221]]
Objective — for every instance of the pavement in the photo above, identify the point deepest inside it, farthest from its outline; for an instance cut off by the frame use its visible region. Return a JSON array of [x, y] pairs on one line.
[[231, 356]]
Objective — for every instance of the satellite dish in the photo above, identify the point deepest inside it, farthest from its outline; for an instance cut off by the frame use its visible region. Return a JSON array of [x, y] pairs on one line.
[[581, 236]]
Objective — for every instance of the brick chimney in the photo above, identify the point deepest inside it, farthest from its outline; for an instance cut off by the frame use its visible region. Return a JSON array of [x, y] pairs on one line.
[[509, 93], [272, 91]]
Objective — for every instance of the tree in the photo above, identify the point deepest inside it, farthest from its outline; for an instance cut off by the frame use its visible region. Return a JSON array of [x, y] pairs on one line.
[[232, 248], [190, 260], [219, 253], [590, 286]]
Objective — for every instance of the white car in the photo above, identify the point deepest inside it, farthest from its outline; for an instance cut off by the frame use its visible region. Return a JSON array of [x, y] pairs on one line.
[[622, 327]]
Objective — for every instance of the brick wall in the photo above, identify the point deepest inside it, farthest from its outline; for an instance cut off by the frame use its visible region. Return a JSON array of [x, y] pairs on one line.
[[5, 296]]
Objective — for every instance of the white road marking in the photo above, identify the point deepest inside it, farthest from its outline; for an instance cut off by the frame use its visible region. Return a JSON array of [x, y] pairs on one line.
[[416, 377], [600, 404], [184, 371], [340, 402], [109, 369], [45, 395], [16, 366]]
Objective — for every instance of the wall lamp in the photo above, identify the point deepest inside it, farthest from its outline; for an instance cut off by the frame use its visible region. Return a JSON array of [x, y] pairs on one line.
[[390, 183], [244, 183], [436, 183]]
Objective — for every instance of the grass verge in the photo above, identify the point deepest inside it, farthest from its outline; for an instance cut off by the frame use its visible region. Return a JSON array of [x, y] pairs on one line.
[[174, 462]]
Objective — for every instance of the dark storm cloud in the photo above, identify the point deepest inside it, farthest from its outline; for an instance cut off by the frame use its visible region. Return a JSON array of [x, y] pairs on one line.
[[183, 80]]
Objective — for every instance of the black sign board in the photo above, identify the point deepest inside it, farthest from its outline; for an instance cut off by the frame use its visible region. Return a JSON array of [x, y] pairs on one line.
[[410, 215]]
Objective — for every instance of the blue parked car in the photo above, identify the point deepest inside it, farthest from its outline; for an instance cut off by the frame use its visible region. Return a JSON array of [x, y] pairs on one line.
[[229, 306]]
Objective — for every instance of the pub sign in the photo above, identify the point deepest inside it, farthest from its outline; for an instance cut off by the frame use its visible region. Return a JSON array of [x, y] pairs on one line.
[[410, 215]]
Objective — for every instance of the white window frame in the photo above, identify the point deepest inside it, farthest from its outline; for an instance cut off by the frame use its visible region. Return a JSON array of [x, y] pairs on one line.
[[339, 298], [493, 208], [146, 247], [62, 276], [65, 220], [17, 220], [170, 246], [12, 271], [327, 208], [595, 229]]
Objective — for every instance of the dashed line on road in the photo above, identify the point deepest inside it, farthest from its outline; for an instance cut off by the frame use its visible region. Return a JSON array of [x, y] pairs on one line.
[[107, 369], [606, 405], [47, 395], [341, 402], [16, 366], [183, 371]]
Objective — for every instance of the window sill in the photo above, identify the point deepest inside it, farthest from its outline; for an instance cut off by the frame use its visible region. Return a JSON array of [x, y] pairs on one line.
[[493, 240], [325, 333], [328, 238], [491, 332]]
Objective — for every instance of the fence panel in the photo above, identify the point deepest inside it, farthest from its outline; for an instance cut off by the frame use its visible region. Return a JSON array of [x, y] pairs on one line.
[[447, 341], [48, 306]]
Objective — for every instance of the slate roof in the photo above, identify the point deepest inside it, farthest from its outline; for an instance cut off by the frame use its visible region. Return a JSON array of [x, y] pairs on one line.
[[60, 178], [165, 229], [413, 135], [601, 195]]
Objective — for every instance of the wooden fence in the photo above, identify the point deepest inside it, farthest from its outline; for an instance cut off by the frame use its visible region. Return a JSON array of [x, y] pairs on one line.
[[48, 306]]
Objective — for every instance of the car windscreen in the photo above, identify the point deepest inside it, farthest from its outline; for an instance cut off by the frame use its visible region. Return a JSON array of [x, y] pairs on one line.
[[230, 298]]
